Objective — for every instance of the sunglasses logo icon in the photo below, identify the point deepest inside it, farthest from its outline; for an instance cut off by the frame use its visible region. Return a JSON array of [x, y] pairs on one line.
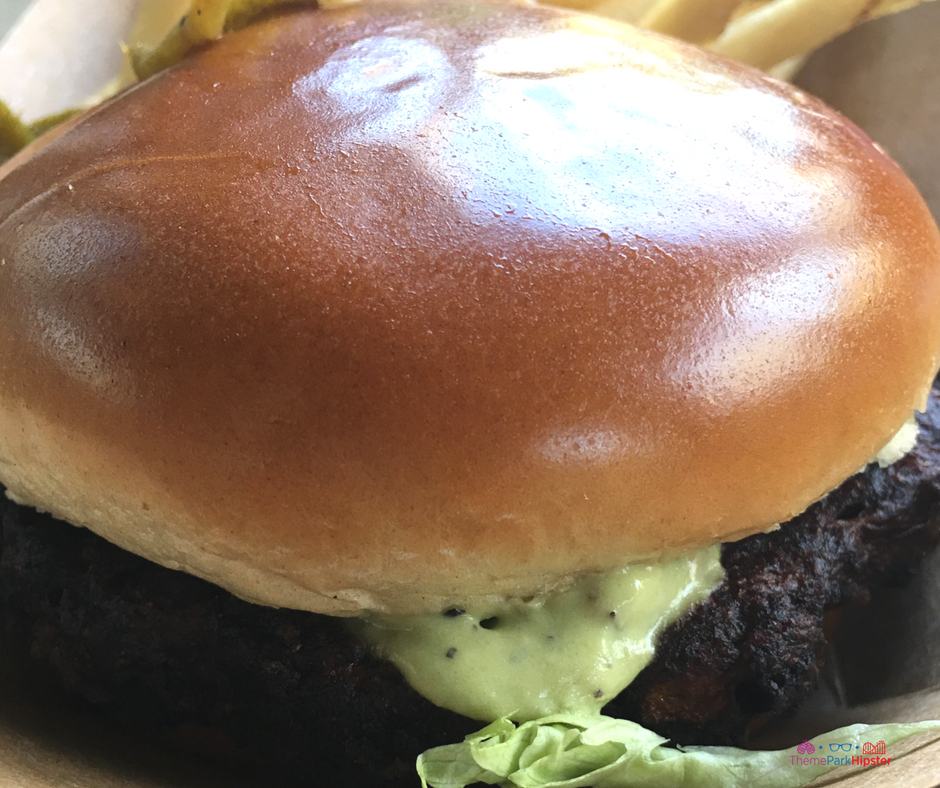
[[844, 747]]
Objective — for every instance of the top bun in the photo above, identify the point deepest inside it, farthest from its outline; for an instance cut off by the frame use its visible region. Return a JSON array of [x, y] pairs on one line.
[[395, 306]]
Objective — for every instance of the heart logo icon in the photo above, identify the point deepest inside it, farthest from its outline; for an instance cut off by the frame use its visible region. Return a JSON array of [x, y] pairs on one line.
[[806, 748]]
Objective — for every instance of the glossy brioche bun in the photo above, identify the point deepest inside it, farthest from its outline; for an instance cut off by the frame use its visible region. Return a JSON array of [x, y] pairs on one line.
[[396, 306]]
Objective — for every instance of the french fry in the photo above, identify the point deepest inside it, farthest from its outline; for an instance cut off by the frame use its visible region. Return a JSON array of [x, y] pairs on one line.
[[788, 28], [591, 5], [749, 7], [697, 21], [775, 35], [892, 7], [789, 68], [14, 134], [631, 11], [154, 20], [205, 21]]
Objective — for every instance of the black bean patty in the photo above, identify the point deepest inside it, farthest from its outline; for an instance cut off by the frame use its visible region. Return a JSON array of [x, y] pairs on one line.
[[753, 650], [290, 692], [297, 694]]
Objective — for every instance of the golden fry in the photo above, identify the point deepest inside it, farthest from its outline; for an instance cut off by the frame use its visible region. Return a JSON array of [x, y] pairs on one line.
[[789, 68], [578, 5], [14, 134], [631, 11], [765, 33], [147, 61], [749, 7], [775, 35], [206, 20], [787, 28], [242, 12], [697, 21], [891, 7], [39, 127]]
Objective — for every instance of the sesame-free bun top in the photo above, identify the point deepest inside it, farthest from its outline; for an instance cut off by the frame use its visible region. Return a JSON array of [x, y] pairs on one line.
[[399, 305]]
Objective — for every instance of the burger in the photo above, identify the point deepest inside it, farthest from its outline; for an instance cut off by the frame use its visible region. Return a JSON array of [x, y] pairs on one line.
[[476, 362]]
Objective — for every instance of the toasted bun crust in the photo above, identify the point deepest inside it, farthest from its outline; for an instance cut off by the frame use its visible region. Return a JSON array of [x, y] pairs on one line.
[[396, 306]]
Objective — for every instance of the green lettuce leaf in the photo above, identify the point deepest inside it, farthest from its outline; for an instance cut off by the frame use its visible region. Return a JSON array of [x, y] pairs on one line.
[[577, 751]]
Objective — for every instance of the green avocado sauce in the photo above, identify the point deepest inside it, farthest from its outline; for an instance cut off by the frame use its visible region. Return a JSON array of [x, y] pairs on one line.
[[570, 651]]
